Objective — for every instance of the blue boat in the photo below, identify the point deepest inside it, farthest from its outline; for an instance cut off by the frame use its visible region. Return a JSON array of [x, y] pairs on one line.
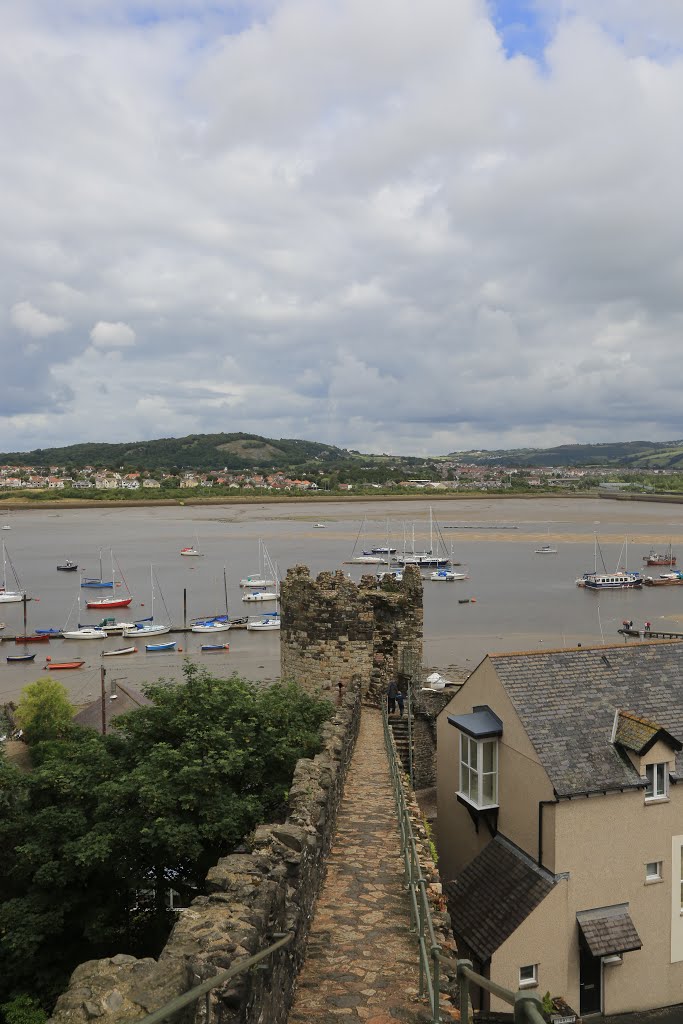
[[20, 657], [48, 632], [161, 647], [215, 647], [96, 584]]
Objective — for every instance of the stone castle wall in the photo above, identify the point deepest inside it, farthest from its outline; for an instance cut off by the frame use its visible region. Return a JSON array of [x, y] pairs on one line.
[[251, 897], [333, 629]]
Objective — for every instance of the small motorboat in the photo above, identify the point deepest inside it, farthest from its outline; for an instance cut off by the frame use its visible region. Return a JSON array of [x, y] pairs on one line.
[[191, 552], [463, 600], [40, 638], [169, 646], [261, 595], [215, 647], [67, 566], [119, 650], [64, 664], [21, 657], [546, 549], [257, 580]]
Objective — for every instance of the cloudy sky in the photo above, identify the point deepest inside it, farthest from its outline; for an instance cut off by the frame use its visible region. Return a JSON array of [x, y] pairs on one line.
[[389, 225]]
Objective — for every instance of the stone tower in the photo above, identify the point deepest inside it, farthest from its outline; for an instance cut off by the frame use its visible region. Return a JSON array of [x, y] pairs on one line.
[[334, 630]]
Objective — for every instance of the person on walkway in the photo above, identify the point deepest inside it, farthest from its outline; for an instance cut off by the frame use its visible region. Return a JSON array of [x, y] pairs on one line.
[[392, 691], [399, 701]]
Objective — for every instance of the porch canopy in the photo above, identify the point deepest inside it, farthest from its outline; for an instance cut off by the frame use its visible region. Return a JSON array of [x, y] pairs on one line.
[[608, 930]]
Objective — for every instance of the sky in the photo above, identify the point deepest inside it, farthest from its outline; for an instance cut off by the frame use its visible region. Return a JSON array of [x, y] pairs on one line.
[[394, 227]]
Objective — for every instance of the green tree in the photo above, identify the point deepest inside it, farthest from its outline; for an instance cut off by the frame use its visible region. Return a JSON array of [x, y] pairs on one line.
[[44, 711], [24, 1009]]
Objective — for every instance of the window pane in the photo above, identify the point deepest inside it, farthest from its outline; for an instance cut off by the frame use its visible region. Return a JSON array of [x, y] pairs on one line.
[[473, 754], [660, 788], [489, 789], [489, 757], [650, 776]]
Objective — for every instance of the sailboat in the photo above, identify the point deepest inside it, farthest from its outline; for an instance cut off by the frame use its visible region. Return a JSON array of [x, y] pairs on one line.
[[193, 551], [10, 596], [82, 632], [546, 549], [269, 568], [258, 580], [98, 581], [149, 628], [269, 621], [111, 602], [215, 623], [430, 557], [367, 557]]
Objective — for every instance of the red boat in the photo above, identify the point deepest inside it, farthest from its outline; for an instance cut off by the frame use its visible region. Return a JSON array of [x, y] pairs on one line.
[[109, 602], [64, 664], [655, 558], [40, 639]]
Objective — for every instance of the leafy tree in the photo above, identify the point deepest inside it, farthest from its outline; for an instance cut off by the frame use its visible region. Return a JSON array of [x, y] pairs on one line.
[[95, 836], [44, 711], [24, 1009]]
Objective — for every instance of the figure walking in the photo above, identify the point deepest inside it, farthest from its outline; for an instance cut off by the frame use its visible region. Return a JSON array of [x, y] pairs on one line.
[[399, 701], [392, 692]]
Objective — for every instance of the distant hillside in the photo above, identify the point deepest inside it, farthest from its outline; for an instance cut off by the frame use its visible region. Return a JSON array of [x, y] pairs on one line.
[[197, 451], [624, 454]]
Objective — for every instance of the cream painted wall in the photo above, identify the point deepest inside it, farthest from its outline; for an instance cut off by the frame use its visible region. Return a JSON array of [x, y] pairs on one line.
[[604, 842], [522, 781], [538, 941]]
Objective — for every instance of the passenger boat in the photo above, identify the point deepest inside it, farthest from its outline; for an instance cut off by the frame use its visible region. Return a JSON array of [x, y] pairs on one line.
[[64, 664], [67, 566], [169, 646], [109, 602], [215, 647], [21, 657], [656, 558], [619, 579], [269, 621], [119, 650]]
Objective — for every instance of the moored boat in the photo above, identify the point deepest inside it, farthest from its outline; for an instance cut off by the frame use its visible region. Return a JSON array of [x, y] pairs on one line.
[[34, 638], [119, 650], [169, 646], [657, 558], [20, 657], [54, 633], [78, 663], [546, 549], [67, 566], [109, 602], [446, 576], [620, 579], [269, 621], [261, 595], [215, 647], [84, 633], [256, 581], [211, 626]]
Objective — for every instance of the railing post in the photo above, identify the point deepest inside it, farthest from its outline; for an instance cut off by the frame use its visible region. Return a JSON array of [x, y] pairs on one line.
[[522, 1007], [436, 986], [464, 990]]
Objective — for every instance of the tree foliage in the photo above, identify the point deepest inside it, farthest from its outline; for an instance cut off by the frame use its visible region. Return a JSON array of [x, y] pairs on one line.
[[44, 711], [102, 828]]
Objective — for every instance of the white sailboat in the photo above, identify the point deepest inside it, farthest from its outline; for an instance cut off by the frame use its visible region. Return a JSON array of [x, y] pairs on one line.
[[83, 632], [193, 551], [429, 558], [10, 596], [258, 580], [367, 557], [269, 621], [150, 628], [270, 570]]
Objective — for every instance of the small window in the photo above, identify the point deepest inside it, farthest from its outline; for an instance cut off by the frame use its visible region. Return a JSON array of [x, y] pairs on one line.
[[653, 871], [657, 776], [479, 771], [528, 976]]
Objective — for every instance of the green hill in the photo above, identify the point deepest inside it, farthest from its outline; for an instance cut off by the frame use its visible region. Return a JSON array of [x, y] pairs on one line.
[[622, 454]]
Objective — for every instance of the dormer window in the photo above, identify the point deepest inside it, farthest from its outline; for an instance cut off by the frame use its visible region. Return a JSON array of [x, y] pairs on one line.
[[657, 776], [479, 737]]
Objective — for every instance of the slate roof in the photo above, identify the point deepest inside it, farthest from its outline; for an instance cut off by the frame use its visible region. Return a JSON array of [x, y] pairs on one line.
[[494, 894], [567, 701], [127, 699], [609, 930], [639, 734]]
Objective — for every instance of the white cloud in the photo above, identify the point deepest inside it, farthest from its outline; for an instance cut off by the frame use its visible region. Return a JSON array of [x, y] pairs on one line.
[[108, 335], [342, 220], [33, 321]]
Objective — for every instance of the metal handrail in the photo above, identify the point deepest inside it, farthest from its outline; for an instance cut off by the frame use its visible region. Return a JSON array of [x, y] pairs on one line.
[[169, 1010], [420, 911], [527, 1007]]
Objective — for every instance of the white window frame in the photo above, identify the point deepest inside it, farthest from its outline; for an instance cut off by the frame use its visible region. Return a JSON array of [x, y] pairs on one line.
[[657, 875], [531, 981], [657, 775], [471, 768]]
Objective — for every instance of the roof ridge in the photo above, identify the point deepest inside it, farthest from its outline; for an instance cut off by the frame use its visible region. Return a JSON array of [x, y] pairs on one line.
[[593, 647], [544, 872]]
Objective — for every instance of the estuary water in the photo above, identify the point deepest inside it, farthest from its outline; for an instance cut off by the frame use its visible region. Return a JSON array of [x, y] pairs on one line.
[[518, 600]]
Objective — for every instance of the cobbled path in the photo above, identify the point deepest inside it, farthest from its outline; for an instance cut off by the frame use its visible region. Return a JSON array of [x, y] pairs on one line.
[[362, 960]]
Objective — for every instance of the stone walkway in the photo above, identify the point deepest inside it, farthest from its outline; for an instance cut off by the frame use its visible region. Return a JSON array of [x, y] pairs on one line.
[[362, 960]]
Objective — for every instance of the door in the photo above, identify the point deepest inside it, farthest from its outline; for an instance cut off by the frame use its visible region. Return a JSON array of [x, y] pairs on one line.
[[590, 982]]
